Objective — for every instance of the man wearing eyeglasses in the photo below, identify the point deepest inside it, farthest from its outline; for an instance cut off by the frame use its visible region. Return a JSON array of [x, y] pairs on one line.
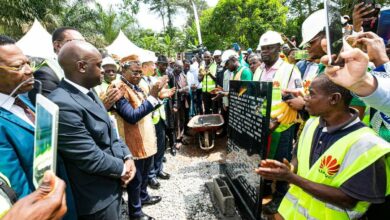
[[136, 125], [51, 73], [16, 117]]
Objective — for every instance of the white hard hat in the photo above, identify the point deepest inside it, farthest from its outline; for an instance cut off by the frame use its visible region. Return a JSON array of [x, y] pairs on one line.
[[109, 61], [270, 38], [226, 55], [313, 25], [217, 53]]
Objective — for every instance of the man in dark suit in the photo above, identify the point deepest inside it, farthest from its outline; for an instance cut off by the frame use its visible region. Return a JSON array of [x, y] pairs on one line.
[[50, 74], [96, 159]]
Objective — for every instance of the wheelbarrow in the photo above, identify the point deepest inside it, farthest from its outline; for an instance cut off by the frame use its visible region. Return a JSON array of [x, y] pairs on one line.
[[206, 126]]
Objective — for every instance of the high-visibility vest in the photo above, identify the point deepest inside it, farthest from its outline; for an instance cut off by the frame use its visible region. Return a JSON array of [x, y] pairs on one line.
[[208, 83], [158, 114], [346, 157], [280, 81], [238, 74]]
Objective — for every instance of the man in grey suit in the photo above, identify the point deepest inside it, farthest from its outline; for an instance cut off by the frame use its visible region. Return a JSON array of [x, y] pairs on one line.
[[97, 161]]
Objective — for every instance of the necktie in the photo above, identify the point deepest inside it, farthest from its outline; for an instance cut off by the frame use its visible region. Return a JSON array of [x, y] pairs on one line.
[[29, 113]]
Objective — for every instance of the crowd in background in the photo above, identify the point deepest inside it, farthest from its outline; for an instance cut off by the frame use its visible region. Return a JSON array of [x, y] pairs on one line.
[[118, 117]]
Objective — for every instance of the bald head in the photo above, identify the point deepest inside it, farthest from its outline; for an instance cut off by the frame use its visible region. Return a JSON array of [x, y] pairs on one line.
[[81, 63], [207, 57]]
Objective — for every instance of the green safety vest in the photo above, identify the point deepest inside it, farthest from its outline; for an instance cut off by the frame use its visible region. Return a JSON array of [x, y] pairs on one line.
[[345, 158], [158, 114], [208, 83]]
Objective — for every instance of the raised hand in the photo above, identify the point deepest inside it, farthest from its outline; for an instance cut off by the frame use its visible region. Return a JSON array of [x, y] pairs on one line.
[[47, 202]]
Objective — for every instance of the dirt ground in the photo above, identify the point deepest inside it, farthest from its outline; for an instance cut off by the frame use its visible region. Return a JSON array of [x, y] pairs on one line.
[[185, 195]]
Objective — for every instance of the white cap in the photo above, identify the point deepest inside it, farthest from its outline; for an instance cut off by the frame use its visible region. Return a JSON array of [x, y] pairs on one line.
[[270, 38], [226, 55], [109, 61], [313, 25], [344, 19], [217, 53]]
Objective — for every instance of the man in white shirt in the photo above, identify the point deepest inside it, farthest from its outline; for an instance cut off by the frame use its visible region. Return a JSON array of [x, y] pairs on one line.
[[194, 69]]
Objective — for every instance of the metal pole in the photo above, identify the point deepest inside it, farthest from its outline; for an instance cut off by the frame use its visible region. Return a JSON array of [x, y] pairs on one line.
[[197, 23]]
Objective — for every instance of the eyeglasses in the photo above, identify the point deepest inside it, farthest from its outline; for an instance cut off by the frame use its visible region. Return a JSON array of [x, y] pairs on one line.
[[133, 73], [22, 67]]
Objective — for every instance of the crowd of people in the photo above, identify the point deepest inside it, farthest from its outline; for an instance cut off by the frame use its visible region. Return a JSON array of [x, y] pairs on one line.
[[118, 117]]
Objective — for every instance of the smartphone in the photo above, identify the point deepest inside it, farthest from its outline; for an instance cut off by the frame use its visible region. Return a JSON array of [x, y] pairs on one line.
[[333, 29], [384, 24], [45, 138], [288, 97]]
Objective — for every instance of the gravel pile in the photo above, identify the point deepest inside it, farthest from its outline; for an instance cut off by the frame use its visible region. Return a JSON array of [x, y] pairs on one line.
[[185, 195]]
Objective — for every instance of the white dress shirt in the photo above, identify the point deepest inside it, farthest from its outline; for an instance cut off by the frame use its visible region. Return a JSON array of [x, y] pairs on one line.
[[227, 75], [80, 88], [8, 103], [380, 98], [194, 69]]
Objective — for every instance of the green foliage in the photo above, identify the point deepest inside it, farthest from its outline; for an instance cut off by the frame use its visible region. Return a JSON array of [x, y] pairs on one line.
[[158, 42], [15, 16], [241, 21]]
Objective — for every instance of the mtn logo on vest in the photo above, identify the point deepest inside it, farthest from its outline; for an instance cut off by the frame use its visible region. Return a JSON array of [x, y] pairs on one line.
[[329, 166]]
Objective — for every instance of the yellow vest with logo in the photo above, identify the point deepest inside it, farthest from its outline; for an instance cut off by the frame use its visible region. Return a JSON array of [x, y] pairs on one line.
[[208, 83], [345, 158]]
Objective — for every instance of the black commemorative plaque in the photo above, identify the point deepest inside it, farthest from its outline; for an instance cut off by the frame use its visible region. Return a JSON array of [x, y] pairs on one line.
[[249, 114]]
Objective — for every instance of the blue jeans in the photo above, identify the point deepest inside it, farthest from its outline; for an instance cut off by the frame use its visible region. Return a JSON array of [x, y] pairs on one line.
[[157, 163], [136, 189]]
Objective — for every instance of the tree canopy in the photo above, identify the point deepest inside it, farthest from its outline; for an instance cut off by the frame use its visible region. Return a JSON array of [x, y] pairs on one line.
[[241, 21]]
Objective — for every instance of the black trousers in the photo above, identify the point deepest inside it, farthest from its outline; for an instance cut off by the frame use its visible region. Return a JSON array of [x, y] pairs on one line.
[[209, 106], [109, 213], [198, 102]]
